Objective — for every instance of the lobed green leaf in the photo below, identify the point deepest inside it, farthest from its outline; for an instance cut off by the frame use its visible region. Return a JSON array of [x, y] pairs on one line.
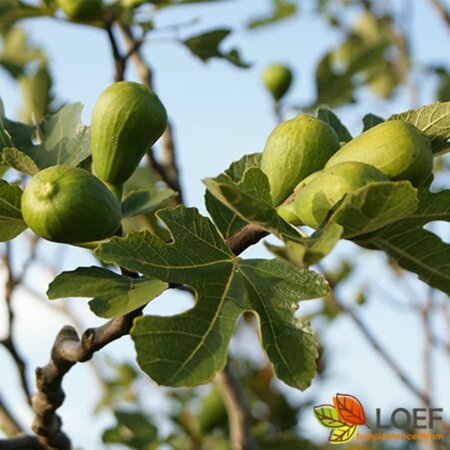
[[11, 220], [190, 348], [113, 294]]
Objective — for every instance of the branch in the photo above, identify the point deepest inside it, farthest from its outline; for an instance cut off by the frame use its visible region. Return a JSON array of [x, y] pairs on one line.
[[245, 238], [68, 349], [23, 442], [238, 416]]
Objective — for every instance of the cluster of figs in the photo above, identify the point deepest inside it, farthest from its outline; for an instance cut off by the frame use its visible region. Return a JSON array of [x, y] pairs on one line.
[[72, 205], [309, 171]]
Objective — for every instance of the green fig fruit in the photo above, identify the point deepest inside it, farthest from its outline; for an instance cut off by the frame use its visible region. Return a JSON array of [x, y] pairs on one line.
[[68, 204], [277, 79], [396, 148], [289, 214], [312, 203], [127, 120], [295, 149], [132, 3], [212, 413], [287, 210], [82, 9]]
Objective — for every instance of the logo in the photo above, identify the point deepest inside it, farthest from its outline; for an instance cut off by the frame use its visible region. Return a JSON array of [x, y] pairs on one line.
[[346, 414], [343, 417]]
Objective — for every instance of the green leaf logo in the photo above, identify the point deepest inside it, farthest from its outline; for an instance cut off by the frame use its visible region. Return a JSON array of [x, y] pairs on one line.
[[328, 416]]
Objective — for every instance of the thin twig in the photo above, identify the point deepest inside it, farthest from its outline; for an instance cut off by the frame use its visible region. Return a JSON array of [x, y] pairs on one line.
[[246, 237], [170, 164], [446, 314], [34, 241], [8, 341], [8, 423], [119, 62], [428, 346], [160, 170], [133, 49], [445, 15], [376, 345], [402, 62], [239, 418]]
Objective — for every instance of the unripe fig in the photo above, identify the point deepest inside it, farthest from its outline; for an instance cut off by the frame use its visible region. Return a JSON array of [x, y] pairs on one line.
[[306, 180], [212, 413], [82, 9], [69, 204], [127, 120], [287, 210], [396, 148], [288, 213], [313, 202], [132, 3], [294, 150], [277, 79]]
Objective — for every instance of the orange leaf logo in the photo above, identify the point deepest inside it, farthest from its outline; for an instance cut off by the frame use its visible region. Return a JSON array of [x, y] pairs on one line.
[[349, 409]]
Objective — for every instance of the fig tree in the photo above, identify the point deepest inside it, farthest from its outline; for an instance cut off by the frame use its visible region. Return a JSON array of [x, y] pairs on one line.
[[396, 148], [70, 205], [295, 149], [127, 120]]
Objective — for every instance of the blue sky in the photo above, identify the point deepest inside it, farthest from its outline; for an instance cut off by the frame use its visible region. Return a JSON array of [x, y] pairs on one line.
[[220, 113]]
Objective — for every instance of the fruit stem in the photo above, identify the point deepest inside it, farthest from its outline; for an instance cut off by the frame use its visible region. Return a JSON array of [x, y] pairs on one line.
[[277, 111]]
